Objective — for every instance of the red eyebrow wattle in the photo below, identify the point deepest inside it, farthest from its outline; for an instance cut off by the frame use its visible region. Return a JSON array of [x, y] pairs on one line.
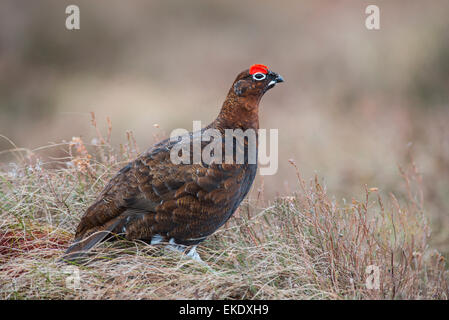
[[258, 68]]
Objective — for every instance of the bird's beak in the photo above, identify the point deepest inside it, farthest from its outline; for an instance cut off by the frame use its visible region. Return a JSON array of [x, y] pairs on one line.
[[279, 78]]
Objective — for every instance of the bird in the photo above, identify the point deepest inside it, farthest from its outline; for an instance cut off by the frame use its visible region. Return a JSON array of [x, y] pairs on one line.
[[160, 201]]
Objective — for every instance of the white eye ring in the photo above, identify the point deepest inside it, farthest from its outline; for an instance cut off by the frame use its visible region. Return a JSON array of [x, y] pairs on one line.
[[259, 76]]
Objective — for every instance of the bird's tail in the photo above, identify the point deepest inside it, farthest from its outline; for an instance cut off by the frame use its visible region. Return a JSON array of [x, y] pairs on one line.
[[83, 244]]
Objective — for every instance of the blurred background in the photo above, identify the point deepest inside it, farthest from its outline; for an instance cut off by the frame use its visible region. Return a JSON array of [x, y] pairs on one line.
[[356, 103]]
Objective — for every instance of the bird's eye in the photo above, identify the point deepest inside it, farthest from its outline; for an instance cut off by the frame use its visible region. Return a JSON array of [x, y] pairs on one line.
[[259, 76]]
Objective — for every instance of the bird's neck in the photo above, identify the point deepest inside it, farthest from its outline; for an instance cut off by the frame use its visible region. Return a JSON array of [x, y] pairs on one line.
[[238, 113]]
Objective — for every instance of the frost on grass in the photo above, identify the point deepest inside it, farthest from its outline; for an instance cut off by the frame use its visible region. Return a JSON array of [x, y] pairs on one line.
[[306, 245]]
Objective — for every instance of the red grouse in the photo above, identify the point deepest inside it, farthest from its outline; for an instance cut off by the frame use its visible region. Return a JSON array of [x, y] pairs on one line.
[[156, 199]]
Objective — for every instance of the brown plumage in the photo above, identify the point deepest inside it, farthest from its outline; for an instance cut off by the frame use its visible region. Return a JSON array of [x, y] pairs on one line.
[[155, 200]]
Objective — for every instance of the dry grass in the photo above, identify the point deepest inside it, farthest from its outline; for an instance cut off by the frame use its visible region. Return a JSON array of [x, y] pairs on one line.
[[304, 246]]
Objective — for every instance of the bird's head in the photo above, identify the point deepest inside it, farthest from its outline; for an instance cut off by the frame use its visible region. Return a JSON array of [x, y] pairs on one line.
[[241, 107], [255, 81]]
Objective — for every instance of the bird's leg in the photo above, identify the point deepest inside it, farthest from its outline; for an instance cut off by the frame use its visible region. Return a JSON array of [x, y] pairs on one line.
[[191, 253], [182, 248], [194, 255], [172, 245]]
